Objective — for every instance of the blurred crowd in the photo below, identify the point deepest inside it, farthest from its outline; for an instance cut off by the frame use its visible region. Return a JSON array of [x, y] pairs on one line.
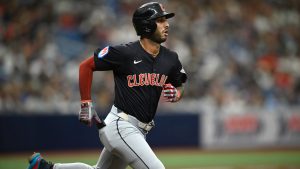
[[237, 53]]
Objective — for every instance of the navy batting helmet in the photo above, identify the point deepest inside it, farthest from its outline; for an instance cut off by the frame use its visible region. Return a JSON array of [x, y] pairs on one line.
[[144, 17]]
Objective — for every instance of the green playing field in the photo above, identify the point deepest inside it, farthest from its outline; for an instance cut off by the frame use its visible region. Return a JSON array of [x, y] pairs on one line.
[[178, 159]]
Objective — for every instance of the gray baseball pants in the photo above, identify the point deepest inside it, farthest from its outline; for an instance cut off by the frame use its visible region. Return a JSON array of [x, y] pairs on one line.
[[124, 144]]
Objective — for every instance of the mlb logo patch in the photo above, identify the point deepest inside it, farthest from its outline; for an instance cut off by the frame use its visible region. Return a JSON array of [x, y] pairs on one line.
[[103, 52]]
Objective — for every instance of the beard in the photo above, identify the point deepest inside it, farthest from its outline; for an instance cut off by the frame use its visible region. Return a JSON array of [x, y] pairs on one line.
[[156, 37]]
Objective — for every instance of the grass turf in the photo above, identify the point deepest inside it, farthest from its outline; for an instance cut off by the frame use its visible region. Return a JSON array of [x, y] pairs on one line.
[[176, 159]]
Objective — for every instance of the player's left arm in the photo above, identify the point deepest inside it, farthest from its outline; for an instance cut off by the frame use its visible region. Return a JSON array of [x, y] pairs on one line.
[[173, 91], [180, 91]]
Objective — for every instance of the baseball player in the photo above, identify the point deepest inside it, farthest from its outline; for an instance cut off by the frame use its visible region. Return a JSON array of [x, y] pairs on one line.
[[142, 71]]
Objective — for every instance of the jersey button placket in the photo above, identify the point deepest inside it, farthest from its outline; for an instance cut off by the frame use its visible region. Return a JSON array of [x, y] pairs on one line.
[[154, 66]]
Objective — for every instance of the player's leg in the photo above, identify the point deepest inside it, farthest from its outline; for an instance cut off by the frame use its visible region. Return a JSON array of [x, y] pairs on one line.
[[72, 166], [108, 160], [138, 151], [129, 143], [38, 162]]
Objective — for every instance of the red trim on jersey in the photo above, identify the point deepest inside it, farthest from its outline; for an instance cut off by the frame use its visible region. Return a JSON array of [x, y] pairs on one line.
[[86, 69]]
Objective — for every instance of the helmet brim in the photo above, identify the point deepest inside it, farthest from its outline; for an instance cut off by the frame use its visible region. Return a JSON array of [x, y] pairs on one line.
[[165, 14], [169, 15]]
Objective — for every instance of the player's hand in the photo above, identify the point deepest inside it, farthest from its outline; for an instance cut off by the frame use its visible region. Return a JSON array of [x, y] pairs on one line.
[[88, 115], [86, 112], [170, 93]]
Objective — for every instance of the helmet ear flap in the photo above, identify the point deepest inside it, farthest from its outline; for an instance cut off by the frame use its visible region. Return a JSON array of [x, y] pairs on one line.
[[148, 27]]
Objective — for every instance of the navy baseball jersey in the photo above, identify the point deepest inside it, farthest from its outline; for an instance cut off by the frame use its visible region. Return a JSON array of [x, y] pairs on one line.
[[139, 77]]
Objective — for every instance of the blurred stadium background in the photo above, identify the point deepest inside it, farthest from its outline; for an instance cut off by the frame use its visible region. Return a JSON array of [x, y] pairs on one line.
[[242, 58]]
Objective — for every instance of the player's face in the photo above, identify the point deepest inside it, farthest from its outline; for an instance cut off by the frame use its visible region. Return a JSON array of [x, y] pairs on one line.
[[161, 33]]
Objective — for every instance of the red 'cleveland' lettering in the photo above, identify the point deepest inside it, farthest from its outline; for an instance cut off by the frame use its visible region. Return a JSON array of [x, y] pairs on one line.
[[146, 79], [141, 79], [152, 82], [129, 78]]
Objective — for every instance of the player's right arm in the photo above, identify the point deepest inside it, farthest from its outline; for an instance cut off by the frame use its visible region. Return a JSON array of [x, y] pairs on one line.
[[87, 113], [86, 69], [107, 58], [103, 59]]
